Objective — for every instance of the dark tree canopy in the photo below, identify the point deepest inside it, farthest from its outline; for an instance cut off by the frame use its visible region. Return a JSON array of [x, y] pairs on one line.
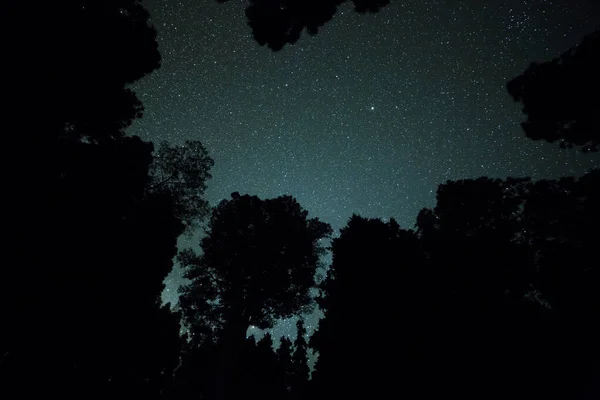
[[477, 222], [560, 97], [88, 244], [181, 172], [77, 56], [284, 358], [260, 375], [280, 22], [261, 371], [561, 220], [495, 296], [512, 265], [259, 260], [107, 245], [365, 300], [299, 370], [258, 265]]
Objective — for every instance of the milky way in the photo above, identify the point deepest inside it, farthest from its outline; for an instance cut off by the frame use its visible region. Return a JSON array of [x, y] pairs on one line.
[[366, 117]]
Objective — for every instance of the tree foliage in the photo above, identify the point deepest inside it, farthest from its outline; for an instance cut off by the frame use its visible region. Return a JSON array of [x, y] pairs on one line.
[[559, 97], [258, 263], [90, 52], [495, 295], [181, 172], [285, 362], [496, 291], [277, 23], [89, 246], [299, 368], [371, 278]]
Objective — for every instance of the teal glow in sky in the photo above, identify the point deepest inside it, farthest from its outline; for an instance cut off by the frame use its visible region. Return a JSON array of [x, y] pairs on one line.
[[369, 115]]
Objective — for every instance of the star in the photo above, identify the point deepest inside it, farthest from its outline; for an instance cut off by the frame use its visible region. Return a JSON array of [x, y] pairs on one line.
[[443, 112]]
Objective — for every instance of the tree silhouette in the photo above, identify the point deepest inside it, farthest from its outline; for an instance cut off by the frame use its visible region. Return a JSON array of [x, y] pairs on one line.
[[181, 172], [559, 98], [90, 51], [258, 264], [98, 273], [494, 296], [503, 256], [258, 374], [195, 374], [371, 286], [479, 276], [300, 370], [94, 265], [277, 23], [475, 222], [284, 360], [562, 218], [268, 377]]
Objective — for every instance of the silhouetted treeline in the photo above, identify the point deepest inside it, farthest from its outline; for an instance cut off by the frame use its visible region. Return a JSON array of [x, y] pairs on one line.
[[560, 96], [92, 216], [277, 23], [495, 294], [258, 264], [260, 371]]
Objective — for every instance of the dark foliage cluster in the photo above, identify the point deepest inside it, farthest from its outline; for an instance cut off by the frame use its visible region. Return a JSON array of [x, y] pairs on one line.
[[258, 264], [181, 173], [90, 224], [494, 295], [559, 97], [261, 371], [280, 22]]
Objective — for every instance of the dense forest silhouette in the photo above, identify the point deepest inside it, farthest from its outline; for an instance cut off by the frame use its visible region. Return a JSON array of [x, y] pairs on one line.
[[494, 294]]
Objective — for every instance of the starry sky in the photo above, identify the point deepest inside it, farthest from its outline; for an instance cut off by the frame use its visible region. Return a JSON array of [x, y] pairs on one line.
[[366, 117]]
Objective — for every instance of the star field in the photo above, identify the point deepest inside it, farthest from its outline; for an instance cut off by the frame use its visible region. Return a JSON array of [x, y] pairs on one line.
[[366, 117]]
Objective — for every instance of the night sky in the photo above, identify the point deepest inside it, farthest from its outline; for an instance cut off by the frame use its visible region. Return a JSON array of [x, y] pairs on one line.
[[366, 117]]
